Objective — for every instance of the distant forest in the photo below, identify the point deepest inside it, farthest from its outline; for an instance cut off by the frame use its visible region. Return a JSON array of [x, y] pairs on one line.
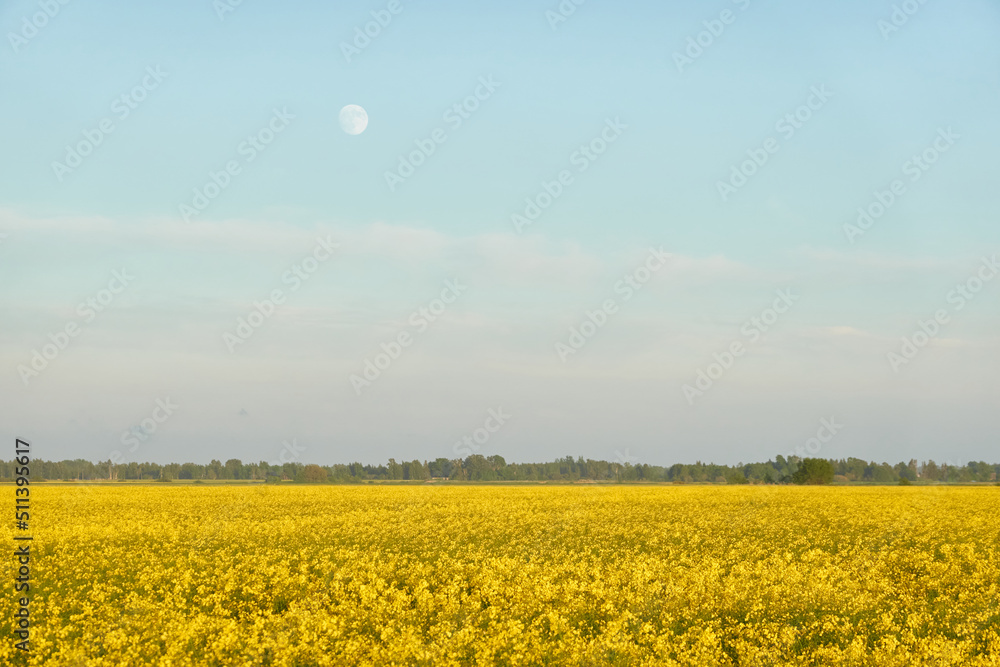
[[478, 468]]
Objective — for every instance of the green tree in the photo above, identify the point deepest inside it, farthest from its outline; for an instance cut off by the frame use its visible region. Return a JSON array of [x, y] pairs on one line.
[[440, 468], [906, 471], [314, 474], [854, 469], [479, 469], [233, 469], [419, 470], [736, 477], [813, 471], [882, 473]]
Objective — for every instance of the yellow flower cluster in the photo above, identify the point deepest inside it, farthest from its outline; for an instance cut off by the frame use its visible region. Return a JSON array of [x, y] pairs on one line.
[[564, 575]]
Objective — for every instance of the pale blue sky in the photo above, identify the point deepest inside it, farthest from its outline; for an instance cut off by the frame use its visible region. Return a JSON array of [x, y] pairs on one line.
[[655, 186]]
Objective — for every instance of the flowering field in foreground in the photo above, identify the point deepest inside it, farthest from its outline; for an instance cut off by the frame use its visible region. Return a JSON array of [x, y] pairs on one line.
[[380, 575]]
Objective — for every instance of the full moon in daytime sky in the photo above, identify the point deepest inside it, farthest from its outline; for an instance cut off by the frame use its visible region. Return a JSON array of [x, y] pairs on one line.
[[353, 119]]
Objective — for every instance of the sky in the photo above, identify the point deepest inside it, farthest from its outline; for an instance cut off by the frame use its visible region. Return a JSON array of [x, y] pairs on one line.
[[635, 231]]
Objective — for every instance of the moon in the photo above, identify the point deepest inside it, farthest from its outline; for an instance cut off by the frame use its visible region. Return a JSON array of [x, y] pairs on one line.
[[353, 119]]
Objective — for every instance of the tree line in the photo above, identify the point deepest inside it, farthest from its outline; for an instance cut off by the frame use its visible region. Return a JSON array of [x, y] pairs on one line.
[[478, 468]]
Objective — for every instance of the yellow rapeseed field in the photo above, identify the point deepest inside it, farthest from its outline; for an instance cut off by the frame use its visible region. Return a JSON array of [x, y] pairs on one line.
[[564, 575]]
